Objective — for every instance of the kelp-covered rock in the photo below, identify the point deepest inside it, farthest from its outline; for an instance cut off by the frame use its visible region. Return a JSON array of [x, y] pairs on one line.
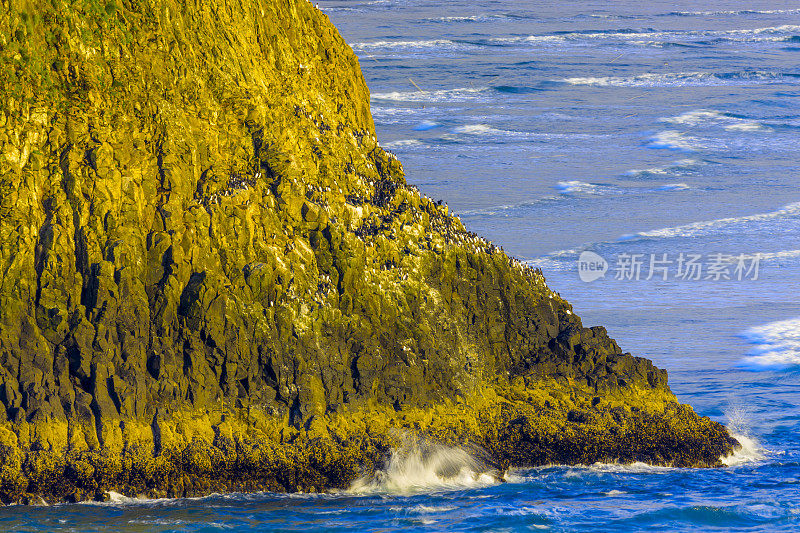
[[214, 278]]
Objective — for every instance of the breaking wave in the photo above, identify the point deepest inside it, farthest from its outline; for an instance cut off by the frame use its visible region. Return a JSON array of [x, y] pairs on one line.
[[775, 345], [678, 167], [702, 117], [751, 450], [462, 94], [412, 45], [733, 12], [683, 79], [115, 499], [482, 129], [420, 467], [466, 18], [711, 226], [485, 131], [764, 356], [636, 37], [652, 37], [675, 140], [574, 186]]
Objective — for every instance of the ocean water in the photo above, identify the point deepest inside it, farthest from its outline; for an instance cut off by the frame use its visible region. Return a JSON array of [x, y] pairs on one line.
[[661, 136]]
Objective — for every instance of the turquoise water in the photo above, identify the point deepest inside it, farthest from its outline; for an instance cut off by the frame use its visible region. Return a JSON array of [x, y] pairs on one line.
[[645, 128]]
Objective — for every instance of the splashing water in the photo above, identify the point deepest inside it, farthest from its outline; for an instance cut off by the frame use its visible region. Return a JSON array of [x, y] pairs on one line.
[[751, 450], [421, 467]]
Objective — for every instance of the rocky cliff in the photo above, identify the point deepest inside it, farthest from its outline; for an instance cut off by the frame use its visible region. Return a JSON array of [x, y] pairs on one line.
[[214, 278]]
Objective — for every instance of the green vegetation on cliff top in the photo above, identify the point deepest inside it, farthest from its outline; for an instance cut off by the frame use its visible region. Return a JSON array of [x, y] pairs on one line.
[[214, 278]]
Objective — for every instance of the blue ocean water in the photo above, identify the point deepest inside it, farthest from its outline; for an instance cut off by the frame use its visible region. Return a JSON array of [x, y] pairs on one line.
[[648, 133]]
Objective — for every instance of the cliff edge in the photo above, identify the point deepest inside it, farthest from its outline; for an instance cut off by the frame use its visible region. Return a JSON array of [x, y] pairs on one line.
[[214, 278]]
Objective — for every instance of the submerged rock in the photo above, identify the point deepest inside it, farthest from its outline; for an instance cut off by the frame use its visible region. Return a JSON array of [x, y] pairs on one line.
[[214, 278]]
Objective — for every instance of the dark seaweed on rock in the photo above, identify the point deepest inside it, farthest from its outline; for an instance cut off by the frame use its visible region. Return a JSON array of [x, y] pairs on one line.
[[213, 277]]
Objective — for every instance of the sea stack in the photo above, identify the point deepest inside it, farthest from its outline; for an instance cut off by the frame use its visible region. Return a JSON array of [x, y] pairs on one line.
[[215, 279]]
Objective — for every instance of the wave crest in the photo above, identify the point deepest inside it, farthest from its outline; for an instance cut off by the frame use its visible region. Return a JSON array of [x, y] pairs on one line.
[[775, 345], [750, 452], [418, 467], [701, 117], [575, 186], [711, 226], [675, 140], [733, 12], [682, 79], [462, 94]]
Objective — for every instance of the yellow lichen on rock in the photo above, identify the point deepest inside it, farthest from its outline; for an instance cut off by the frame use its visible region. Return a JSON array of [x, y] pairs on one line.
[[190, 453], [214, 278]]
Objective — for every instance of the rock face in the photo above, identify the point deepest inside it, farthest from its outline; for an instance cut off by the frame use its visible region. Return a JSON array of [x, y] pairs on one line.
[[213, 277]]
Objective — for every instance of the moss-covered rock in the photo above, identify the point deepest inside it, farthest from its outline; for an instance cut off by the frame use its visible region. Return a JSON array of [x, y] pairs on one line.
[[214, 278]]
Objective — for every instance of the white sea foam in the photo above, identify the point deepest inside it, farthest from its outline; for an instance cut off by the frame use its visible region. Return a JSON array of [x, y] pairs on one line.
[[419, 467], [784, 28], [769, 33], [393, 115], [580, 471], [528, 39], [574, 186], [565, 259], [116, 499], [703, 228], [775, 345], [157, 522], [434, 43], [403, 143], [675, 140], [764, 34], [472, 18], [631, 468], [461, 94], [679, 79], [424, 509], [681, 164], [694, 118], [750, 452], [647, 38], [176, 524], [490, 131], [738, 425], [736, 12], [745, 126], [481, 129], [703, 117]]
